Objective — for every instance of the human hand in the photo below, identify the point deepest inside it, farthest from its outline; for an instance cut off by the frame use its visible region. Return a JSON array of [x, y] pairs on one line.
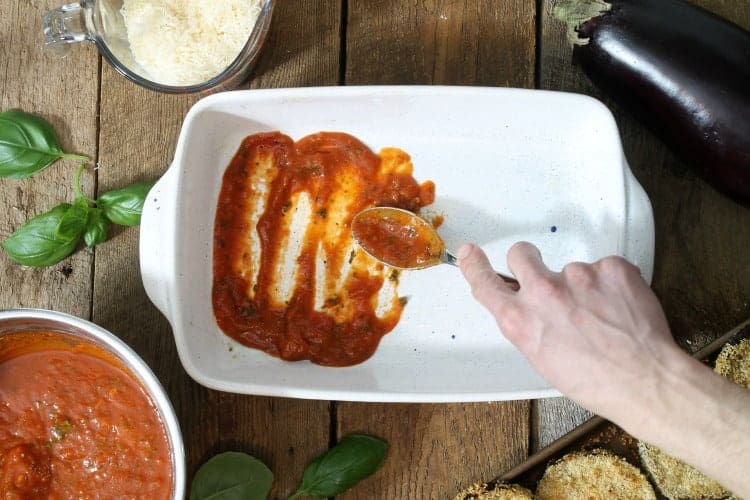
[[595, 331], [598, 334]]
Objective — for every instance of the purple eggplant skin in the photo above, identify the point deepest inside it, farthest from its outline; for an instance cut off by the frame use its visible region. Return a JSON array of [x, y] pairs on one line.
[[683, 72]]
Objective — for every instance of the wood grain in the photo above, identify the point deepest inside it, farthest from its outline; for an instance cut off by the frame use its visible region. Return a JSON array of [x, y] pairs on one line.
[[64, 91], [303, 46], [701, 236], [438, 449], [441, 42], [553, 417], [139, 130], [703, 239]]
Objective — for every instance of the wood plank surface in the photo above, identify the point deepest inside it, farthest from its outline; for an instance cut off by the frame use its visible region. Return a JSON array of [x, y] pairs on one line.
[[64, 91], [436, 449], [700, 272], [139, 131], [703, 238], [438, 42]]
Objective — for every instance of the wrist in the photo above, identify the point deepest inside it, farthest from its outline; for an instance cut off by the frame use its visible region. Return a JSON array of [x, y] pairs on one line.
[[668, 395], [688, 408], [702, 419]]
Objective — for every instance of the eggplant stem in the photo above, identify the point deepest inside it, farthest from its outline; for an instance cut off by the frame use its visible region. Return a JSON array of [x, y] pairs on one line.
[[576, 12]]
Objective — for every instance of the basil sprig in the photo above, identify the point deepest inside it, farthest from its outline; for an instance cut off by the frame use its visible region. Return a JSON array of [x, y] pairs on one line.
[[232, 476], [49, 238], [28, 144], [235, 476]]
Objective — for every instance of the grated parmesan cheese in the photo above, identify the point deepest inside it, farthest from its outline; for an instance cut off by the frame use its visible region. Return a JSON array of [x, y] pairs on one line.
[[186, 42]]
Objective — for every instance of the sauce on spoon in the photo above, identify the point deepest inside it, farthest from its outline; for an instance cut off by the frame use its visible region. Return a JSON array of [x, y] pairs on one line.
[[398, 238]]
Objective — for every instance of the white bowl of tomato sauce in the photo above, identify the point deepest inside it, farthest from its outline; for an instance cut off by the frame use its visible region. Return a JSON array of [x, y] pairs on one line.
[[81, 414]]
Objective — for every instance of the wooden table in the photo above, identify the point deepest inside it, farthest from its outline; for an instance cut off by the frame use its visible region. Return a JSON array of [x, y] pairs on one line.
[[703, 239]]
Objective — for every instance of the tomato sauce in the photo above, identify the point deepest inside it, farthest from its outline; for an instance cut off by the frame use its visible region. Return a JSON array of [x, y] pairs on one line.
[[287, 277], [398, 238], [75, 424]]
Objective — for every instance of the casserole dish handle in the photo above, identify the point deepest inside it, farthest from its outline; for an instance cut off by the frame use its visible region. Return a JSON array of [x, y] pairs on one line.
[[639, 226], [157, 240]]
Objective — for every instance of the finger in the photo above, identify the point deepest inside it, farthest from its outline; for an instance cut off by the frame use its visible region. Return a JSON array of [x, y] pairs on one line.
[[485, 284], [525, 262]]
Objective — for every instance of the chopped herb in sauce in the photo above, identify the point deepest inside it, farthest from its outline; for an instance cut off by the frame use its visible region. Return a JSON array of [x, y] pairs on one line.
[[60, 430]]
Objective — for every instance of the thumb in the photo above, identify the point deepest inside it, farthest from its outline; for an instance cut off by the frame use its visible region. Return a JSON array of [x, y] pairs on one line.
[[486, 286]]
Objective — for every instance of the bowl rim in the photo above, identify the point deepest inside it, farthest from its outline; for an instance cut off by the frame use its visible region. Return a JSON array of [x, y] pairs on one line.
[[131, 360], [228, 78]]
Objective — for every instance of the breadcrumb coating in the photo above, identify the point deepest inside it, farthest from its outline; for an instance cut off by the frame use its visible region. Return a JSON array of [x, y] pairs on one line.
[[593, 475], [501, 491]]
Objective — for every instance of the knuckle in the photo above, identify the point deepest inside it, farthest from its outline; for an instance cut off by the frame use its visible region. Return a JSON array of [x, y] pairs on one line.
[[578, 273], [616, 265]]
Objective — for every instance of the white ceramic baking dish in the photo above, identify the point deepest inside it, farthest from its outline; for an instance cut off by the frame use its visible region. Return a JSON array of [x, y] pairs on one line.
[[509, 165]]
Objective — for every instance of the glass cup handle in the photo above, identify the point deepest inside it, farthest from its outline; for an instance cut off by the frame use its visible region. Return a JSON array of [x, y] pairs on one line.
[[65, 24]]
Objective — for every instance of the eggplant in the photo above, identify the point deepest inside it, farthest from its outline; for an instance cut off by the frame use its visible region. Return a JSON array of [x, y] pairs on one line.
[[681, 70]]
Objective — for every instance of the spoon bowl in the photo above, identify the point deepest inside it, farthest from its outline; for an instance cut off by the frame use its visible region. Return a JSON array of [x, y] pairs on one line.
[[403, 240], [398, 238]]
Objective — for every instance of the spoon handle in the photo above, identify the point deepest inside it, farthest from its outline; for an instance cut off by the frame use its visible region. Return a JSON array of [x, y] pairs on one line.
[[451, 259]]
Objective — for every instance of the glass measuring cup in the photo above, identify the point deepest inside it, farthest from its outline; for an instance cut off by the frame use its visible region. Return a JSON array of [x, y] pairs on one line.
[[102, 22]]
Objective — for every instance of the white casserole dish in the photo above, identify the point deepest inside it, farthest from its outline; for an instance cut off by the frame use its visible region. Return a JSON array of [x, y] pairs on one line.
[[508, 165]]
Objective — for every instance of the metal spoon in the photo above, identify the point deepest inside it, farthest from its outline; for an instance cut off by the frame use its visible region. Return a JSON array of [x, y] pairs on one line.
[[401, 239]]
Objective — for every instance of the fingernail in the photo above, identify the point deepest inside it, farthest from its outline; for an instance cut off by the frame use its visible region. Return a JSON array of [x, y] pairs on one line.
[[464, 251]]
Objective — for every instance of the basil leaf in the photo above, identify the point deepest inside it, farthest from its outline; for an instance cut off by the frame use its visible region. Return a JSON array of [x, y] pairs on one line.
[[28, 144], [353, 459], [96, 228], [232, 476], [37, 243], [124, 206], [73, 222]]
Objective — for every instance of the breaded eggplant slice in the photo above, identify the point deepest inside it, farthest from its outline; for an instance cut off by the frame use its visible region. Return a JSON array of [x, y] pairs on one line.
[[733, 362], [499, 491], [593, 475], [677, 480]]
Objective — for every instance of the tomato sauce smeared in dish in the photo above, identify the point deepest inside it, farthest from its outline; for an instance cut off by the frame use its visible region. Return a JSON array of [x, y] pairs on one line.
[[288, 278], [74, 423]]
